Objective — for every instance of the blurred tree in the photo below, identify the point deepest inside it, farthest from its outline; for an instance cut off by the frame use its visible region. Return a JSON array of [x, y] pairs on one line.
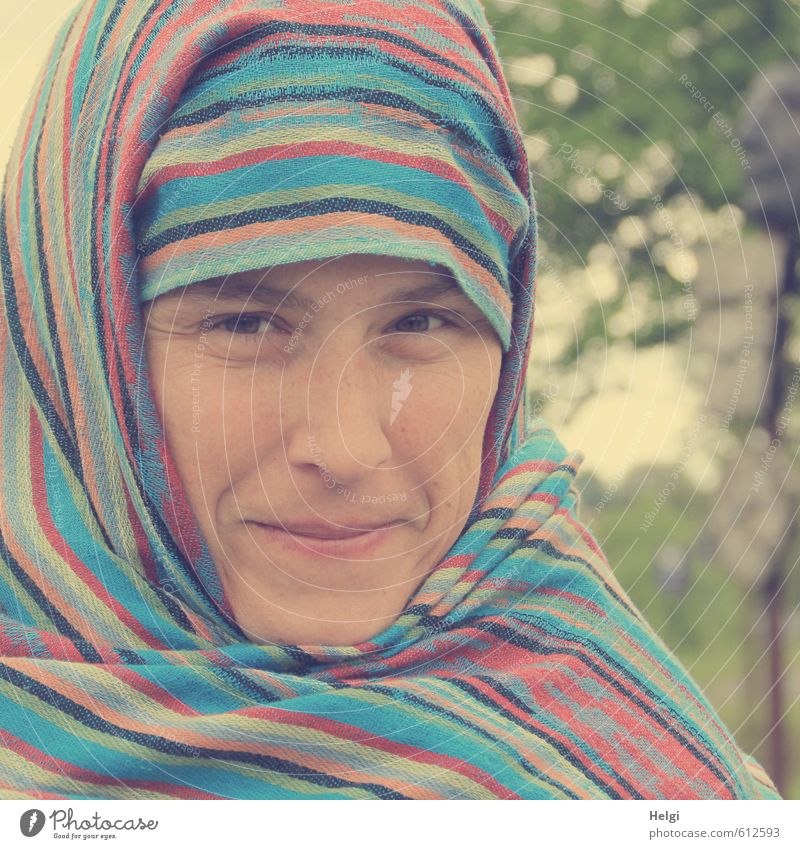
[[632, 110], [630, 107]]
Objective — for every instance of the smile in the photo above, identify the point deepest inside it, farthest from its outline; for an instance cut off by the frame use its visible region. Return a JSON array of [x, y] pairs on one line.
[[358, 545]]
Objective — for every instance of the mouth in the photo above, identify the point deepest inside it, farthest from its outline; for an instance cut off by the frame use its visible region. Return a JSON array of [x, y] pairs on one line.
[[326, 541], [341, 530]]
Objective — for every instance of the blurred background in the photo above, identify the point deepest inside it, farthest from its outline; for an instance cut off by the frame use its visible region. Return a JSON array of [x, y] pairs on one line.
[[664, 140]]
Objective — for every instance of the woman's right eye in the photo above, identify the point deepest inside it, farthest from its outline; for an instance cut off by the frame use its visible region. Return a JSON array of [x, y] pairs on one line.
[[245, 324]]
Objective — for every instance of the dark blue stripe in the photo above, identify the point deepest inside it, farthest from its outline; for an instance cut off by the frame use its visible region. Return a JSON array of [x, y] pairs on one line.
[[163, 745], [86, 650], [304, 209], [590, 659]]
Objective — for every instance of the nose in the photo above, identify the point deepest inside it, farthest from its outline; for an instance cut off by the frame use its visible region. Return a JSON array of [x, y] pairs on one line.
[[340, 415]]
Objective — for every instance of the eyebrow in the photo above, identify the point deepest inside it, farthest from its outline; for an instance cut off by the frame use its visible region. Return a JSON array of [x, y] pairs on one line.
[[263, 293]]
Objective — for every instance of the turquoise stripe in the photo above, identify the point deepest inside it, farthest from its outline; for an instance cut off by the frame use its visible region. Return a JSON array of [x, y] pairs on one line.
[[305, 173]]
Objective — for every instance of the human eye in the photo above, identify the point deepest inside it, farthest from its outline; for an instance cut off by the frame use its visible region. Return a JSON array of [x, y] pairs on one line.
[[425, 317], [242, 336], [243, 324]]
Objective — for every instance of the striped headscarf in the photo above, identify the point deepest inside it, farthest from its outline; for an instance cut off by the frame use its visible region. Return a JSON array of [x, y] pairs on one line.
[[519, 668]]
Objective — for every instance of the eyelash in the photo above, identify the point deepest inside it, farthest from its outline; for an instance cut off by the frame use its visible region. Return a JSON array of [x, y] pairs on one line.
[[218, 325]]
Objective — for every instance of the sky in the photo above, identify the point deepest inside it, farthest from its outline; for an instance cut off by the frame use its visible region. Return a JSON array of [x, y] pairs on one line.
[[27, 32]]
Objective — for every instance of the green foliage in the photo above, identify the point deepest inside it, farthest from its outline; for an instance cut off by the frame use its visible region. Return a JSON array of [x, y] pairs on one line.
[[631, 111], [647, 94]]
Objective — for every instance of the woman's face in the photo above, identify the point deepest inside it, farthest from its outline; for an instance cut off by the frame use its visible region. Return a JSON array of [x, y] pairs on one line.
[[320, 400]]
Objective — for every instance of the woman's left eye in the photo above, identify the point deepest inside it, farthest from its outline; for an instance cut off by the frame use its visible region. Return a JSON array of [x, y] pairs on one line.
[[246, 324], [424, 316]]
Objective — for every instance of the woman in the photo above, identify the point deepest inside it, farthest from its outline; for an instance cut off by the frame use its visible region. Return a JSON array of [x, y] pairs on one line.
[[264, 535]]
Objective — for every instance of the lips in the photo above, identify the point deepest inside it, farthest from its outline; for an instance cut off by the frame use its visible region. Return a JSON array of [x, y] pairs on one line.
[[347, 544], [336, 530]]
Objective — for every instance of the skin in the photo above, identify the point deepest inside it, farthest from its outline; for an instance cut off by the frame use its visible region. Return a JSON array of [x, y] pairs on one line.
[[277, 413]]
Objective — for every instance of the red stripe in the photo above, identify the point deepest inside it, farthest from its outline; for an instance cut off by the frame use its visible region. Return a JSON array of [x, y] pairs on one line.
[[583, 531], [498, 699], [152, 691], [301, 150], [64, 769], [67, 141], [580, 601], [655, 733], [60, 544], [469, 74], [547, 466], [131, 156], [341, 731], [636, 725], [19, 644]]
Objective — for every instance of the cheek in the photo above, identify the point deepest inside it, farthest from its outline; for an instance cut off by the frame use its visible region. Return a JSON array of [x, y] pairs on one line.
[[230, 418], [451, 406], [214, 420], [443, 427]]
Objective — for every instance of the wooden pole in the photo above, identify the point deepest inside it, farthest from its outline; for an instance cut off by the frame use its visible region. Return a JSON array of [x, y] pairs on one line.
[[775, 568]]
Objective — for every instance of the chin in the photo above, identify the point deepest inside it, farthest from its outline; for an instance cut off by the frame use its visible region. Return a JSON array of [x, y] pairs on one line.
[[309, 633], [296, 613]]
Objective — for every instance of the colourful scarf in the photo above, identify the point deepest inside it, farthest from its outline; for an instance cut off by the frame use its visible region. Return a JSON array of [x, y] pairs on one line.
[[519, 668]]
